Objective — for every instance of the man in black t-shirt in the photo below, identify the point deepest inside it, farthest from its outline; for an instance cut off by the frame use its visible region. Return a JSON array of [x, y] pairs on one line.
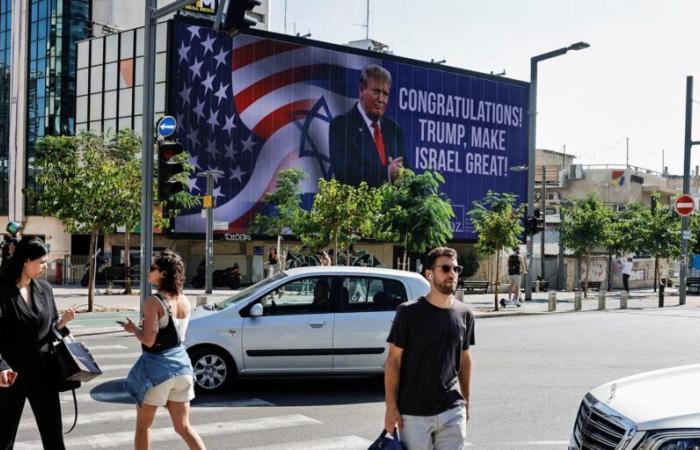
[[427, 374]]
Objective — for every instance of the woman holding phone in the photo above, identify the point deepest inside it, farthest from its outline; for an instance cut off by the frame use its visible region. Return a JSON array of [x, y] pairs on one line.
[[163, 375], [28, 368]]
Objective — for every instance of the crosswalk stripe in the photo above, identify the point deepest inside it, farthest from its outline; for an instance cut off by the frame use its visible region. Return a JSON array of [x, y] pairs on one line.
[[130, 414], [124, 397], [106, 440], [107, 347], [98, 357], [115, 366], [338, 443]]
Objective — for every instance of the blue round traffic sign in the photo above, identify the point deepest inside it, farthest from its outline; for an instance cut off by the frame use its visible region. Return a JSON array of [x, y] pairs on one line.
[[167, 126]]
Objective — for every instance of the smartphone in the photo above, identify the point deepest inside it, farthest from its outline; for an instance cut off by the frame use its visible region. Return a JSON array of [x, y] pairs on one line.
[[120, 322]]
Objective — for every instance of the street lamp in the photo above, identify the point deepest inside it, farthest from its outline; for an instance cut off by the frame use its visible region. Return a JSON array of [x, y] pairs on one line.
[[531, 145]]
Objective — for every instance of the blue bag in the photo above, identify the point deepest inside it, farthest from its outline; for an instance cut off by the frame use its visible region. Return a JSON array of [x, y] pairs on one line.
[[387, 441]]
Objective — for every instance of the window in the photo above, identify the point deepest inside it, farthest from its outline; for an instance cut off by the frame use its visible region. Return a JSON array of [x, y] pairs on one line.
[[303, 296], [363, 294], [97, 56]]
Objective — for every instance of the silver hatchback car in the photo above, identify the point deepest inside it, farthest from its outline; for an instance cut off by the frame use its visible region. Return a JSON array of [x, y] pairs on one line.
[[310, 320]]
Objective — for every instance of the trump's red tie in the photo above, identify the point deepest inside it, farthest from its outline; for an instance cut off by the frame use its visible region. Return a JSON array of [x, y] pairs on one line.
[[379, 142]]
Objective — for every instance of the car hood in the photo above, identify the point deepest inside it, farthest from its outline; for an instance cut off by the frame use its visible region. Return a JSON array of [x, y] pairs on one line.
[[200, 312], [668, 398]]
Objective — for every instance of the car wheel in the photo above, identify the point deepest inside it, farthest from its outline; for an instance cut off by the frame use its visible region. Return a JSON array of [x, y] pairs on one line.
[[213, 368]]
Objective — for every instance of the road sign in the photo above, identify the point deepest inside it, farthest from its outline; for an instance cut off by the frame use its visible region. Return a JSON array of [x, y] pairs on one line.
[[167, 126], [686, 234], [207, 201], [685, 205]]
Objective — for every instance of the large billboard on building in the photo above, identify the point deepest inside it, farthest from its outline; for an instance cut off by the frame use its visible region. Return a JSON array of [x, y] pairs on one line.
[[253, 105]]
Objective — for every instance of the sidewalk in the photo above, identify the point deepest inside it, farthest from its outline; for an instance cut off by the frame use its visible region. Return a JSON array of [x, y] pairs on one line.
[[483, 304], [109, 308]]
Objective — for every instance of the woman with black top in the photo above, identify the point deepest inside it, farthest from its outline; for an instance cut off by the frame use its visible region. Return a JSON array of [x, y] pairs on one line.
[[272, 261], [163, 375], [28, 367]]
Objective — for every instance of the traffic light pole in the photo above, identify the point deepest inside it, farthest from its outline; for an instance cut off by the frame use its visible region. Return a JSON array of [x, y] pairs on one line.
[[149, 70], [208, 288], [543, 194], [685, 227]]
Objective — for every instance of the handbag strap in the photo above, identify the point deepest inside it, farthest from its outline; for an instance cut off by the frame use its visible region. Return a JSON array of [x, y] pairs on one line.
[[75, 419]]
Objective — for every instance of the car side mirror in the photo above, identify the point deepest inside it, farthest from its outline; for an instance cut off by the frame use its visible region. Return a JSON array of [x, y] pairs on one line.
[[256, 310]]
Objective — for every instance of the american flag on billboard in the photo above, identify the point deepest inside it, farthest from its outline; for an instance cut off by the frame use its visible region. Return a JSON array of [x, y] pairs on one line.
[[250, 107]]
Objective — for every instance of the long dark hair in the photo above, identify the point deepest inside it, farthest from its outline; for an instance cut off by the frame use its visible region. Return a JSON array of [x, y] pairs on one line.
[[174, 278], [27, 249]]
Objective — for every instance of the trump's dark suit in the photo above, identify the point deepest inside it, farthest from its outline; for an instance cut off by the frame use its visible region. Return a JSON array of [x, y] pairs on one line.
[[353, 153]]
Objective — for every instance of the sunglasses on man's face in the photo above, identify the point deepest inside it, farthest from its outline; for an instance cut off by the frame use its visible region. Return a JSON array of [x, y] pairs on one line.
[[446, 268]]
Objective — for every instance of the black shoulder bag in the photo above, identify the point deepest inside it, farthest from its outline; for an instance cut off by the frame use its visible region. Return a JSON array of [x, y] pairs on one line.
[[75, 364]]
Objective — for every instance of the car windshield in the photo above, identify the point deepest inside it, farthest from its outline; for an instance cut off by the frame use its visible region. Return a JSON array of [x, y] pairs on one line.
[[247, 292]]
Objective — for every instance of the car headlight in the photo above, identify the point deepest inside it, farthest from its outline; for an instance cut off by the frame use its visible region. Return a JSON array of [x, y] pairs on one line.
[[672, 440]]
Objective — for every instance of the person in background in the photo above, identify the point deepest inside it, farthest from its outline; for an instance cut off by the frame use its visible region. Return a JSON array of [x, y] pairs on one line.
[[324, 259], [28, 369], [516, 269], [163, 375], [626, 272], [272, 261], [9, 242]]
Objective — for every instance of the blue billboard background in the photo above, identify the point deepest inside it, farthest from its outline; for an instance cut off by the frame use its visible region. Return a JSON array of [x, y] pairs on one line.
[[253, 105]]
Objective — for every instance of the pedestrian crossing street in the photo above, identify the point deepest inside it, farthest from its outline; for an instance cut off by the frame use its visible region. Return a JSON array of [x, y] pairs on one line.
[[231, 421]]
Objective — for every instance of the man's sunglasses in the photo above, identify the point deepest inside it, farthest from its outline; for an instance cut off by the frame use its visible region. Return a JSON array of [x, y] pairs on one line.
[[447, 268]]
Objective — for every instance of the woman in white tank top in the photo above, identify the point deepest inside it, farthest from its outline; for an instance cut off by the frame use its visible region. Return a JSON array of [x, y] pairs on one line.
[[163, 375]]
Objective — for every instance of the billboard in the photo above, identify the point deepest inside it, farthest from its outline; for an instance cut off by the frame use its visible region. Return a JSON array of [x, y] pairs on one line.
[[255, 104]]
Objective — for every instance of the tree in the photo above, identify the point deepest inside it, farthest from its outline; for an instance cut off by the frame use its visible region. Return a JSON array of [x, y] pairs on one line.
[[497, 221], [414, 213], [80, 182], [92, 183], [326, 218], [661, 234], [623, 233], [584, 227], [286, 201], [360, 209]]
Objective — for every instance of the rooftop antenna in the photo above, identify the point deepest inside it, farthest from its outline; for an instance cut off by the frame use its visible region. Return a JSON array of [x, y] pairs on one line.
[[367, 22]]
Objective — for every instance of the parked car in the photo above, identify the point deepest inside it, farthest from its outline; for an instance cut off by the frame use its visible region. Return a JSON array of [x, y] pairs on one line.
[[309, 320], [656, 410]]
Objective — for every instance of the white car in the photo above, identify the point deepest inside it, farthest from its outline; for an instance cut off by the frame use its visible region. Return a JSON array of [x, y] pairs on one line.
[[657, 410], [310, 320]]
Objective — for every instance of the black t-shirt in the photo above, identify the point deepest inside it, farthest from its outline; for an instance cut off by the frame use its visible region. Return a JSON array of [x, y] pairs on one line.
[[432, 340], [514, 265]]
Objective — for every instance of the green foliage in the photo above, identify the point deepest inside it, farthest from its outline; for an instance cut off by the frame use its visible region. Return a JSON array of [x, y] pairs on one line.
[[286, 200], [415, 213], [661, 234], [623, 231], [497, 221], [326, 219], [585, 225]]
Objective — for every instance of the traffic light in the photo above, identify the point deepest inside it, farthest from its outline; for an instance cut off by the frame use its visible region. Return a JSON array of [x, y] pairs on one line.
[[531, 225], [169, 169], [237, 18]]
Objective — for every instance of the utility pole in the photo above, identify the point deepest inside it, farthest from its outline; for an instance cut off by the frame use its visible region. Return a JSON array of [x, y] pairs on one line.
[[152, 14], [663, 161], [685, 232], [627, 145], [543, 193], [208, 205], [367, 22]]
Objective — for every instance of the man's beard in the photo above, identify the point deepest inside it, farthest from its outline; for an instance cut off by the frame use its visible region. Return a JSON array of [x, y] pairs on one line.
[[446, 288]]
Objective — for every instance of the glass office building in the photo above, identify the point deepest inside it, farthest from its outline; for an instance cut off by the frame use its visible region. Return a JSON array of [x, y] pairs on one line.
[[55, 27], [5, 61]]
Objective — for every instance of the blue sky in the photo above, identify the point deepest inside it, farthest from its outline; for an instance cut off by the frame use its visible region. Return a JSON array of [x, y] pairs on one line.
[[629, 84]]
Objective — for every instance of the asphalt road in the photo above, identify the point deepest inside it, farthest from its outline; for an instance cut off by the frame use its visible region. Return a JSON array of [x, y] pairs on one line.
[[529, 376]]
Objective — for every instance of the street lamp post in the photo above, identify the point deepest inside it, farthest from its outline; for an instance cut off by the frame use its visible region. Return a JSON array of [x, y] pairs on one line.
[[531, 146]]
